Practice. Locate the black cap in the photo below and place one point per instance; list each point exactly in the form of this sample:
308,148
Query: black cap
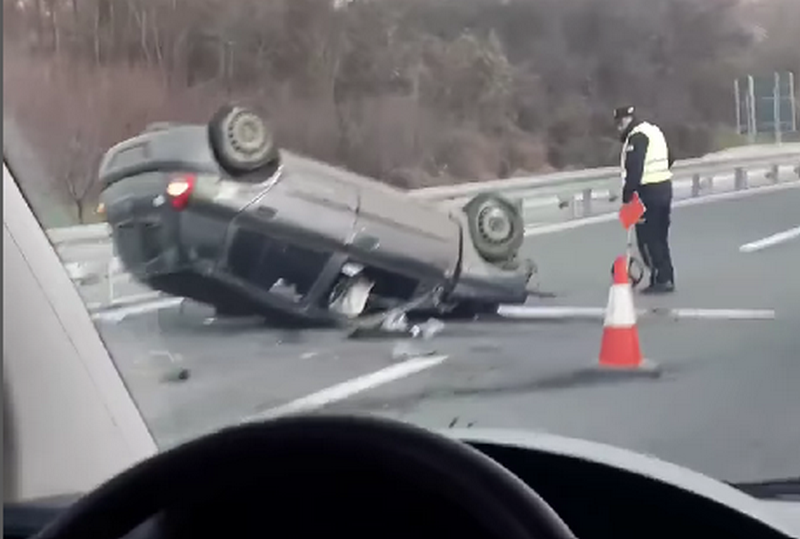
623,112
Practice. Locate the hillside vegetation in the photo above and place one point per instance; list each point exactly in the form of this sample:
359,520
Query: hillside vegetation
414,92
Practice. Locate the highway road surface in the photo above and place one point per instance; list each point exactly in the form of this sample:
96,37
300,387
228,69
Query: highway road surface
727,403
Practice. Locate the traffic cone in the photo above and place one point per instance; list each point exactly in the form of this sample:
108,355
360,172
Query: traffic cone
619,348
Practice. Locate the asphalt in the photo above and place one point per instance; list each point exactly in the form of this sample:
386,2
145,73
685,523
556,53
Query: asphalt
727,403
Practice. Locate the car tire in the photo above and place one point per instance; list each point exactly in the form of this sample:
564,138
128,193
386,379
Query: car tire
242,140
495,226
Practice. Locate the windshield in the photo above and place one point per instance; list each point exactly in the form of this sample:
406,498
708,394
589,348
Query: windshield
239,285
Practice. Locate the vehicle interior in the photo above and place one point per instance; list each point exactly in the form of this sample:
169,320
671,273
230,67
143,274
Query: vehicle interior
80,462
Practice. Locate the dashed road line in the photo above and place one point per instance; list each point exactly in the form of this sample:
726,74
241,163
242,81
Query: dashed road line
527,312
771,241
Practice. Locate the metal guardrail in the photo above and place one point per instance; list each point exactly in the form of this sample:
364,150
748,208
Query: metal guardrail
557,196
79,234
609,177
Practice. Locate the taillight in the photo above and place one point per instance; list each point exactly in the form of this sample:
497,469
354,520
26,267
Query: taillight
180,189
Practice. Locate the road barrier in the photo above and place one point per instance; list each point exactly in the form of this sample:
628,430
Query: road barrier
572,195
545,199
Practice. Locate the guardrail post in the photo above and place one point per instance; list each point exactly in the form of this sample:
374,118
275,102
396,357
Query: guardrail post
569,204
696,185
797,170
587,202
740,179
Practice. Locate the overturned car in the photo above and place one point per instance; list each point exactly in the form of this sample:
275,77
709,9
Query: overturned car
218,214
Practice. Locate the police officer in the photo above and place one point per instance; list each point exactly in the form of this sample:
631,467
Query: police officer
646,161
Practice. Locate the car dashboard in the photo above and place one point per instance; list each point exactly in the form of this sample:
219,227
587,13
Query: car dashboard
595,499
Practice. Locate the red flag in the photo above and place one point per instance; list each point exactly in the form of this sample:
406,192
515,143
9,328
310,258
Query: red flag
630,213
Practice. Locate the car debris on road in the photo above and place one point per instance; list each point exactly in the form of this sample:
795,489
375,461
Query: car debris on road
395,324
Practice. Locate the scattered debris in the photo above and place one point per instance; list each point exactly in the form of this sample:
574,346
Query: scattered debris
406,350
174,372
84,273
455,420
427,330
396,322
179,374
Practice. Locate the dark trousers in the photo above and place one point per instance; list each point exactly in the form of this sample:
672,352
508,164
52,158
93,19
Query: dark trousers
652,235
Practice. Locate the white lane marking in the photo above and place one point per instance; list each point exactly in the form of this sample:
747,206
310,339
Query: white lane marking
770,241
724,314
528,312
608,217
119,314
352,387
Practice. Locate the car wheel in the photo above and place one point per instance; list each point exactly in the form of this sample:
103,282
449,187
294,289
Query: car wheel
496,227
242,140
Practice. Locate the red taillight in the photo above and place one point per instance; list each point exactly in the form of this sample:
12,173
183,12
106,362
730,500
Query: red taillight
179,190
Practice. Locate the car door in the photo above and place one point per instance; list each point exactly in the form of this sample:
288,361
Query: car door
398,232
308,209
287,235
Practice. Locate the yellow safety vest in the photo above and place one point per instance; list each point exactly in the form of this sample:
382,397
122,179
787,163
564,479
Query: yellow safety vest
656,161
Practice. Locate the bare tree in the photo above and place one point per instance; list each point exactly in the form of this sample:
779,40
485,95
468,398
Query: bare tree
420,91
80,171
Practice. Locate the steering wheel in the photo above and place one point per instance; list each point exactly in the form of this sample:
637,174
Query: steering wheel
297,448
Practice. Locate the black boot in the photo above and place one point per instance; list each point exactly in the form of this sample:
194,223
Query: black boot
660,288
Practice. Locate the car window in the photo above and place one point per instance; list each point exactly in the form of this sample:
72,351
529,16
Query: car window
411,208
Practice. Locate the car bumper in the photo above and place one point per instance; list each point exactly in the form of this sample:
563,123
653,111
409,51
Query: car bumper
152,247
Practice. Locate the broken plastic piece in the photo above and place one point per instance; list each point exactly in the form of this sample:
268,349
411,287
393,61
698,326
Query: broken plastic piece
428,330
396,321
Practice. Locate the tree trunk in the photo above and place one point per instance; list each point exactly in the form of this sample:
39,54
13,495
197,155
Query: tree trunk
79,208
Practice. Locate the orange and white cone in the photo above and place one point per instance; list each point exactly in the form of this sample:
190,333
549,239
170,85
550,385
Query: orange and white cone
619,348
